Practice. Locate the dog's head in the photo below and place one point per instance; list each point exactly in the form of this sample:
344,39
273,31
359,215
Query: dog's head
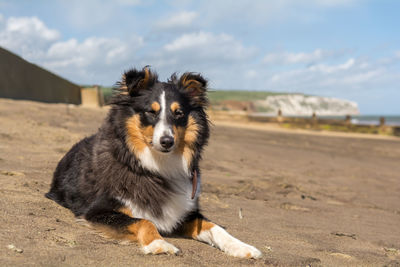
167,116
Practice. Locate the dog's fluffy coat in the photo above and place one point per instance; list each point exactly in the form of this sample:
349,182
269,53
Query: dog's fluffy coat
133,178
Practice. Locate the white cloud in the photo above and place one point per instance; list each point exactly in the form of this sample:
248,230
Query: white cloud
351,77
361,77
180,20
295,58
216,56
31,26
91,50
207,46
93,58
264,12
28,36
195,40
84,62
331,69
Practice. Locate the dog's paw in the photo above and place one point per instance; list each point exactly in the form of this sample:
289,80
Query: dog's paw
160,246
242,250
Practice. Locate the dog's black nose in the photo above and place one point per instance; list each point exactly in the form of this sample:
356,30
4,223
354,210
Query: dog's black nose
167,141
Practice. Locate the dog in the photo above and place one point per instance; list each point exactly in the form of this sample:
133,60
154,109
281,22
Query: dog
138,177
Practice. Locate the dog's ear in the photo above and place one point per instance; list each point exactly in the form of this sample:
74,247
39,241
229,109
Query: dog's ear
195,86
133,80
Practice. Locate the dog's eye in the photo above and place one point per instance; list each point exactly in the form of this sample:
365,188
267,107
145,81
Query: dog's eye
178,113
151,113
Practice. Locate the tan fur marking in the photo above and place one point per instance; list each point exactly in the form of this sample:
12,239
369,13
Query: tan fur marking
148,133
191,131
146,77
155,106
145,81
123,87
185,137
144,231
134,136
195,88
190,83
138,137
179,135
126,211
195,227
175,106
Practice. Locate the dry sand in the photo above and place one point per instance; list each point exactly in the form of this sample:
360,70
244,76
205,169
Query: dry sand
306,199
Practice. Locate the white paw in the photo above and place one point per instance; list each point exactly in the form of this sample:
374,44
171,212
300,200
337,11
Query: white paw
220,238
242,250
160,246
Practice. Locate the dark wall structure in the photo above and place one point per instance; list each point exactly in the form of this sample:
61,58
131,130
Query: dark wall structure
20,79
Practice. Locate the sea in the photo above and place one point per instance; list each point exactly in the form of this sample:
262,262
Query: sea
392,120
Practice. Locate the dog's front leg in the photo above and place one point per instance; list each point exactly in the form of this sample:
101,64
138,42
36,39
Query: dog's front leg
208,232
118,222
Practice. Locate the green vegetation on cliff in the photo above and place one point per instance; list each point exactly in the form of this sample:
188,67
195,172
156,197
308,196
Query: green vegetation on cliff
217,96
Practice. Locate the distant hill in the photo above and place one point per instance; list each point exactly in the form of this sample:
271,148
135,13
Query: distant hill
20,79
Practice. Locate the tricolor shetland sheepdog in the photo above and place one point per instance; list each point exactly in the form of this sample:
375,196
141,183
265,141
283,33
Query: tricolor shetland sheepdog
138,177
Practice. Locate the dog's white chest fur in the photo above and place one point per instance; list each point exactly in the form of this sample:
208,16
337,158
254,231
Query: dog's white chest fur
175,168
174,210
172,165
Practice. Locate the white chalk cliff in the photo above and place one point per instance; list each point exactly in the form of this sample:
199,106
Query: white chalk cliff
302,105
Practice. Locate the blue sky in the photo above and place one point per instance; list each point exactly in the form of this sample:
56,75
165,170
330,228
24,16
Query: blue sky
338,48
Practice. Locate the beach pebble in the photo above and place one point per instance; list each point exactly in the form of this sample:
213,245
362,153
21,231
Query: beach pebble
14,248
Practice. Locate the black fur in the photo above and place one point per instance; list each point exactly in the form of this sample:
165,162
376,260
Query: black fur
103,211
101,169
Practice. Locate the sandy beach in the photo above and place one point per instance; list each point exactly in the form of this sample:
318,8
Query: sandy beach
305,198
